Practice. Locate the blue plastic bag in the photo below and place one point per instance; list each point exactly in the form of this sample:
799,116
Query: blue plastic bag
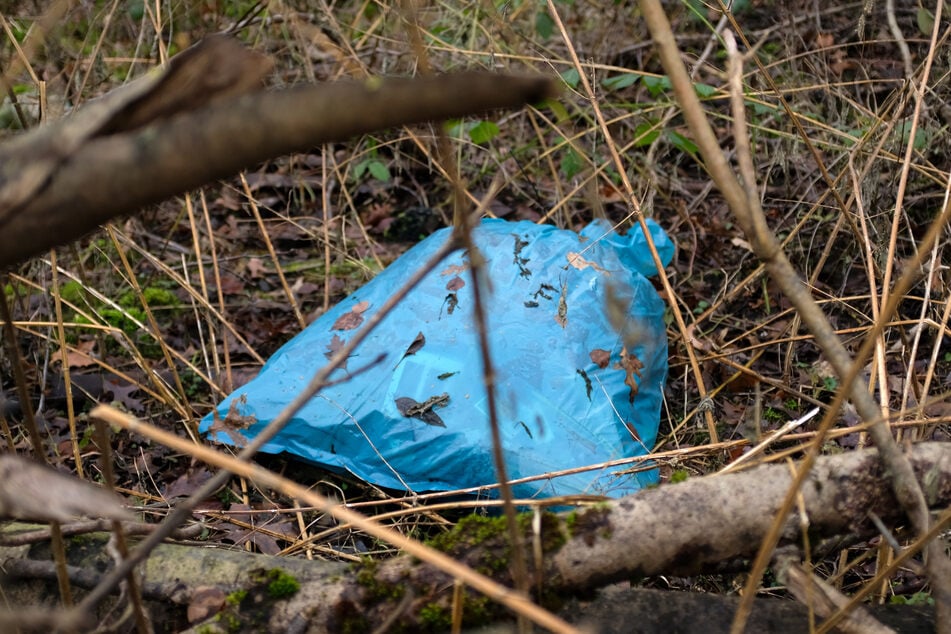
568,393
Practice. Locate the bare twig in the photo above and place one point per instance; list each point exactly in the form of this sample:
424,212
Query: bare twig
637,212
181,512
46,199
516,601
744,202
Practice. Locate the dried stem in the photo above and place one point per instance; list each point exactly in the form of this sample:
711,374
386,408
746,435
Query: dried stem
744,202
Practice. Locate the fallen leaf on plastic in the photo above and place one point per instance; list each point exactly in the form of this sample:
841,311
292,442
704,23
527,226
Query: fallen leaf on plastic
454,269
600,357
575,260
233,422
352,319
562,315
423,411
336,345
632,367
416,346
452,301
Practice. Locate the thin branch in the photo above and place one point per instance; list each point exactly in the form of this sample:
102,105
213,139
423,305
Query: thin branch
183,510
750,217
516,601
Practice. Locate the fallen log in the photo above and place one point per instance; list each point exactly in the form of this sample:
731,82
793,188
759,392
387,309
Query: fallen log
679,529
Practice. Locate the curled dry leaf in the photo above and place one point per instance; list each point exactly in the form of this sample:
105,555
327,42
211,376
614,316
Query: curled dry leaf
600,357
410,408
575,260
632,367
416,345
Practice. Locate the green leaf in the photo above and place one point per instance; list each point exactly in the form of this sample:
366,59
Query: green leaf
571,77
681,142
571,163
854,135
455,128
656,85
645,134
544,25
925,20
561,114
704,90
379,171
483,132
136,9
922,138
762,109
621,81
19,28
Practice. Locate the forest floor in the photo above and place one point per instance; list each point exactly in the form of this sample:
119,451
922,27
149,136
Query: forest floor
166,311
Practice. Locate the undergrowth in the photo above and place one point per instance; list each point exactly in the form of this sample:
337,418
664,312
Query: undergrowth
181,303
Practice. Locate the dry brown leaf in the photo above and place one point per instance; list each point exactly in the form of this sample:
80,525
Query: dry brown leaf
600,357
632,367
575,260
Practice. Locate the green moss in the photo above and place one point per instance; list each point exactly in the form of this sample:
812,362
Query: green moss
236,597
72,292
376,589
153,296
593,523
475,530
570,520
355,625
484,541
230,621
281,585
433,616
470,531
553,538
773,415
918,598
485,536
680,475
478,609
277,583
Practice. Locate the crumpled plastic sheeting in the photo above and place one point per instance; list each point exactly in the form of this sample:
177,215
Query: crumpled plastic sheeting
418,420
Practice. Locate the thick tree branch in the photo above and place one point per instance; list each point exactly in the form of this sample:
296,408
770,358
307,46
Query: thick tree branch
148,143
681,529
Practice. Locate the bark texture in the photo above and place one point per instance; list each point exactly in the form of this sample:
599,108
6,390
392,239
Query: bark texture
679,529
200,121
